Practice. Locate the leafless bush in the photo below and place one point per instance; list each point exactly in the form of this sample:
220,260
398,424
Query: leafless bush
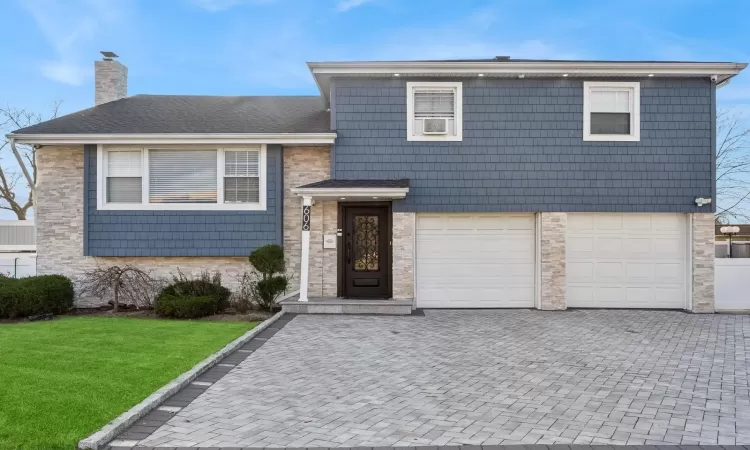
205,276
242,298
126,284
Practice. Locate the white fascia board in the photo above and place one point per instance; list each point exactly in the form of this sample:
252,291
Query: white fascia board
198,138
510,67
323,71
382,193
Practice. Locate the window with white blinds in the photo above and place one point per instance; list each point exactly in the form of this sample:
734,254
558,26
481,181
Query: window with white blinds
187,179
124,176
241,176
430,103
611,111
433,111
182,176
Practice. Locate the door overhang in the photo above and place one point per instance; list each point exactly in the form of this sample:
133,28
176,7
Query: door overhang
354,190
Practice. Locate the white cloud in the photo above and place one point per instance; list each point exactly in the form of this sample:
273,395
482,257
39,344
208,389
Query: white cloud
70,29
65,72
222,5
346,5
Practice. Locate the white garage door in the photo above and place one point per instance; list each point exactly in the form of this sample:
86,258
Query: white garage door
626,260
475,261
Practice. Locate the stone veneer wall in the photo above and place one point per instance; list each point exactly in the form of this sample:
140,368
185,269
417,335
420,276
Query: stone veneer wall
304,165
59,222
404,229
703,233
553,235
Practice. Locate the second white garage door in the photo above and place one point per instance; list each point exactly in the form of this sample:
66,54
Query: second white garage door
626,260
475,260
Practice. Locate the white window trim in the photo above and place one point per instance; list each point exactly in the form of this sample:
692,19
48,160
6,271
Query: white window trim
101,171
458,120
635,115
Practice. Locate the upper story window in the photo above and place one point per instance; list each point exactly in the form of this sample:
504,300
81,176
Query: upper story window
434,111
187,179
611,111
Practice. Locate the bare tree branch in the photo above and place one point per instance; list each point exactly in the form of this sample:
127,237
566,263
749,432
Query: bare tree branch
12,119
732,164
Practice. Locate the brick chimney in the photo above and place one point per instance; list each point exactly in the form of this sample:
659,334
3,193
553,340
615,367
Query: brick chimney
110,78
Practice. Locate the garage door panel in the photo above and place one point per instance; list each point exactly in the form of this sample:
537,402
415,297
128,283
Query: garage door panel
608,222
608,245
580,245
580,222
609,271
451,297
668,272
641,264
475,271
673,247
639,273
636,222
634,247
609,295
475,260
582,271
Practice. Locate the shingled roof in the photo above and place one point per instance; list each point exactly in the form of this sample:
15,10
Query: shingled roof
164,114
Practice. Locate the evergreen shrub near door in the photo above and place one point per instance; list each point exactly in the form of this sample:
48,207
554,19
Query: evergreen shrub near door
43,294
269,262
193,297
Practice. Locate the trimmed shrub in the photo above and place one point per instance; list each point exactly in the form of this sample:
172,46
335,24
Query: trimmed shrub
268,261
186,297
199,288
186,306
43,294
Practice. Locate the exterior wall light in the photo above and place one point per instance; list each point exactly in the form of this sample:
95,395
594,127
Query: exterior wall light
730,231
700,201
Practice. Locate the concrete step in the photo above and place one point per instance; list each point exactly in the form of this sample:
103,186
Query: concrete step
347,306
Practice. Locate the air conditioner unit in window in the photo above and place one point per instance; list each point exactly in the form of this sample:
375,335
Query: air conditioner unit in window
435,126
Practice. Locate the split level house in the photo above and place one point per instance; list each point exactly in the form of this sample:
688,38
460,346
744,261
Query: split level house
491,183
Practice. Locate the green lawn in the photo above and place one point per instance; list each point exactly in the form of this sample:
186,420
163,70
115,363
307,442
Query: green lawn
62,380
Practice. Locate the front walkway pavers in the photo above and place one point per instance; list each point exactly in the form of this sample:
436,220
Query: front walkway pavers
480,377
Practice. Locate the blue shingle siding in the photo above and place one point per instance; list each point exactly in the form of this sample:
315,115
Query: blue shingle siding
523,148
182,233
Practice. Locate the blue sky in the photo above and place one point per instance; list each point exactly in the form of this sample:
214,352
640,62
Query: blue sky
236,47
256,47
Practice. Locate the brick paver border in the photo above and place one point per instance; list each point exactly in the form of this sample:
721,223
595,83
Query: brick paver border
150,422
481,447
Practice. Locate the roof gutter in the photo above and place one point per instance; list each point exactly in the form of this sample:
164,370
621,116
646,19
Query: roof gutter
368,193
30,180
509,67
175,138
720,72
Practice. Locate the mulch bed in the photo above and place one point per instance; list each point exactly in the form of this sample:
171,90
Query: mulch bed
252,316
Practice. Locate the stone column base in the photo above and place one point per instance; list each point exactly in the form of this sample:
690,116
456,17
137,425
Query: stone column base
702,225
404,233
552,252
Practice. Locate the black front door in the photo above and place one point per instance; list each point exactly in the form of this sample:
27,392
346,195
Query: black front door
366,252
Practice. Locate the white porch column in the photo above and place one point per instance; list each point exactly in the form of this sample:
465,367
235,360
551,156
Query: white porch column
305,263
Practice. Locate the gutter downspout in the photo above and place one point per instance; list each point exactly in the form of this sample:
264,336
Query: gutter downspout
23,166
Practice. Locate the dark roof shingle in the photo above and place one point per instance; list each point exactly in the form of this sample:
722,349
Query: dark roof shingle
194,114
349,184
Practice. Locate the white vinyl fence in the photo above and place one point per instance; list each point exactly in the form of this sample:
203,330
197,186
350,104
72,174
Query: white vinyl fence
18,265
732,284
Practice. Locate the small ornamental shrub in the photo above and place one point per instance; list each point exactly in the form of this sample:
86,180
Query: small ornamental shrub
186,306
30,296
191,294
268,261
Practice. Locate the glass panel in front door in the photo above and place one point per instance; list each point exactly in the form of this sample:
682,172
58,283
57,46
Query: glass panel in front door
366,244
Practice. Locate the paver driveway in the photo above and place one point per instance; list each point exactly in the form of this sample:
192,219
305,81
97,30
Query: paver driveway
482,377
